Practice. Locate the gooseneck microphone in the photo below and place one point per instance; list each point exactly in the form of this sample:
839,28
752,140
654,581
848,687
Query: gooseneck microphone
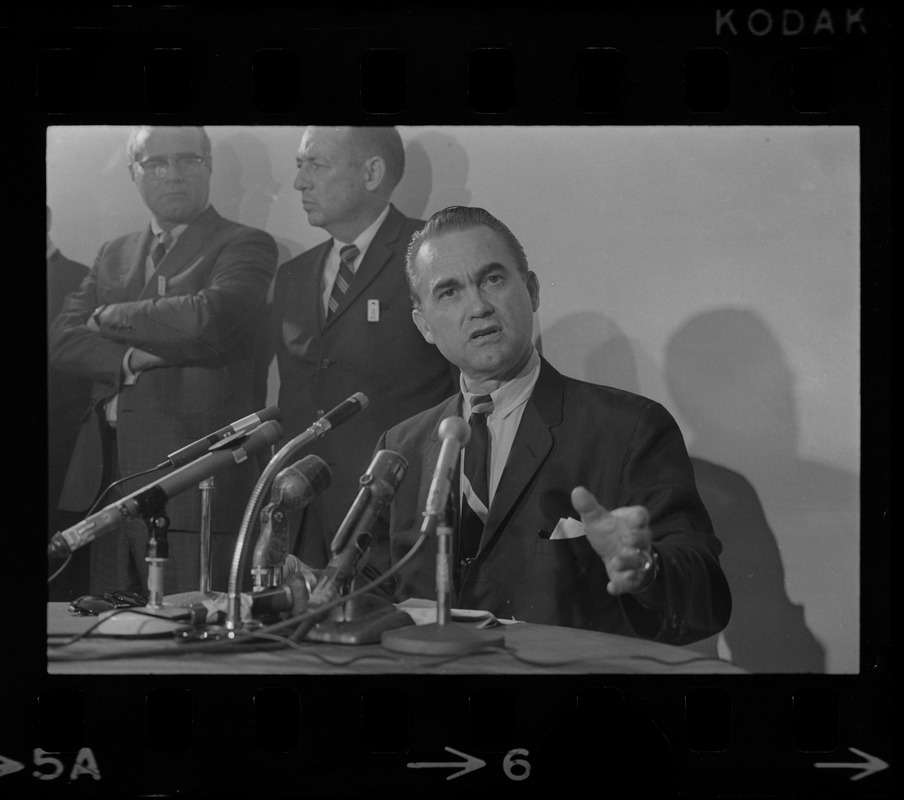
320,427
197,449
149,498
339,414
454,432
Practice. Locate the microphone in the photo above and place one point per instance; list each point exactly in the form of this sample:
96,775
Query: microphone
293,488
331,419
242,426
378,487
454,432
151,497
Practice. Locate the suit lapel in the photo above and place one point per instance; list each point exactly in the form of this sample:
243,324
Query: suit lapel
533,443
188,250
378,255
133,281
451,409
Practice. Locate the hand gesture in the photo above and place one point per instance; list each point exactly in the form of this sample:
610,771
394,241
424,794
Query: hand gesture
621,537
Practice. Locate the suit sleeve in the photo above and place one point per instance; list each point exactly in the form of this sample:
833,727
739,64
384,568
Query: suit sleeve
693,591
204,324
73,348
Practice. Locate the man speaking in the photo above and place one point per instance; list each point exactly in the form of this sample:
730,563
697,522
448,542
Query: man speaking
577,504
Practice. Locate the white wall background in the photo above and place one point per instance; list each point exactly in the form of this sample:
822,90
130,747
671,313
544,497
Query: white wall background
715,269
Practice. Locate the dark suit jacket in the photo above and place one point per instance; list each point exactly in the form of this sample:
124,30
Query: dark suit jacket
322,365
205,318
67,395
624,448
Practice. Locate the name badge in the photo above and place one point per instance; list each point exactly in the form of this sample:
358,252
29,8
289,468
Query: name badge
373,310
161,285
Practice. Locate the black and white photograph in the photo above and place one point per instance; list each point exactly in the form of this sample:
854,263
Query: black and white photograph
476,400
710,272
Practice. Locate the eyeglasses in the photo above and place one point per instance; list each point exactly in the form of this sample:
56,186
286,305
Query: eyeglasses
156,167
94,604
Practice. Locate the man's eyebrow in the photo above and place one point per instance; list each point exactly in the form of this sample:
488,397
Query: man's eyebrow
454,283
445,283
493,266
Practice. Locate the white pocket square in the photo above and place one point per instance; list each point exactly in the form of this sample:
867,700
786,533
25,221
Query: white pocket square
568,528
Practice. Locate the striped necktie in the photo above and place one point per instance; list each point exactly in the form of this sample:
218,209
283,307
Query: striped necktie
476,467
347,256
164,241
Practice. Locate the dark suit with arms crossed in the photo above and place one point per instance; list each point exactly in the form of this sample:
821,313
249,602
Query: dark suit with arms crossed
320,365
627,450
201,311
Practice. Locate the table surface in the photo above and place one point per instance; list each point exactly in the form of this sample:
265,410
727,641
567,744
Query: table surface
526,649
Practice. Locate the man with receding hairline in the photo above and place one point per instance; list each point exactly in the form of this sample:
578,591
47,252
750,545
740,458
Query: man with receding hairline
342,321
575,504
166,326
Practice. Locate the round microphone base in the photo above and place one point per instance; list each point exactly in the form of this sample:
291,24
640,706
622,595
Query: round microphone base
450,638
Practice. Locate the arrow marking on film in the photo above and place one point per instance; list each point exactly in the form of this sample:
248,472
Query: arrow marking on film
867,767
8,766
469,764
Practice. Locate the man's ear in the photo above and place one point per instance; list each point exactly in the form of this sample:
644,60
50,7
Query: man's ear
421,321
533,287
374,172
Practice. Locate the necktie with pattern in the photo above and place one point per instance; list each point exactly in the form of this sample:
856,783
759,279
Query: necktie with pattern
347,256
164,240
476,467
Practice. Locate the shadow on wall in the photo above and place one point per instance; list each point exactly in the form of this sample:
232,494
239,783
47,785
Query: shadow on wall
728,378
436,174
767,632
243,187
603,355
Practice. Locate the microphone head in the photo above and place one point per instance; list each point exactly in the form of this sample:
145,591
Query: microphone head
385,474
455,428
361,399
298,484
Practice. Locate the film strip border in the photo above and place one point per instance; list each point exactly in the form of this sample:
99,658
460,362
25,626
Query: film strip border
773,737
465,65
766,735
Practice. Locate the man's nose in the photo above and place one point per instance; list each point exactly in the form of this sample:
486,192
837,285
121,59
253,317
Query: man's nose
302,180
173,171
478,304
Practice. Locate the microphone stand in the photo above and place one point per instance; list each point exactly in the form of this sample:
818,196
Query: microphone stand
362,619
206,489
442,637
165,619
255,504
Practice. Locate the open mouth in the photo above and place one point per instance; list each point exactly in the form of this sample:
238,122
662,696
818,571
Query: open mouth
484,333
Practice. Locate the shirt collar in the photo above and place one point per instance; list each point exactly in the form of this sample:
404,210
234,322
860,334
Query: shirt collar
363,240
512,393
175,232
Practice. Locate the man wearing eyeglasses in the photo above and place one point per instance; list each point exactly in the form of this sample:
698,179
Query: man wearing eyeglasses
167,326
